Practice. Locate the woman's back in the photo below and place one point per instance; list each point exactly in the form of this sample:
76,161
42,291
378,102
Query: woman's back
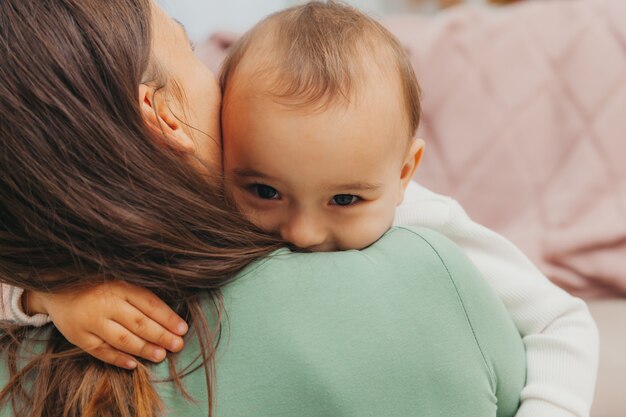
405,327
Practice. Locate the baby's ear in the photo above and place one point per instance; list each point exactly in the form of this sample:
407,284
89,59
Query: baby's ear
410,164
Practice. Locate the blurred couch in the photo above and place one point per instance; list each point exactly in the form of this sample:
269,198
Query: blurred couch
524,116
525,124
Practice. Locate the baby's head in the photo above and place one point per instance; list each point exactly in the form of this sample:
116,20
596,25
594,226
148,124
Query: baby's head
320,109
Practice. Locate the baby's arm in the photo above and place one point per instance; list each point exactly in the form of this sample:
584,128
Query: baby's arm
12,311
560,337
109,321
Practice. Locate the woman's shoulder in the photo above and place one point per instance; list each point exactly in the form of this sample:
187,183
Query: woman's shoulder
399,258
399,247
405,257
411,271
357,325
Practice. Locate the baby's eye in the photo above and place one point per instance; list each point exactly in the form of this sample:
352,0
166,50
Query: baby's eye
345,200
264,191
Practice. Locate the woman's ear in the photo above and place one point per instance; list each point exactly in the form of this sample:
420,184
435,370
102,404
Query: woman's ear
410,164
159,118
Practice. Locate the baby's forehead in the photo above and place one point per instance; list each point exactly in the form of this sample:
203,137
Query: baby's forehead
272,67
374,95
318,55
372,110
359,134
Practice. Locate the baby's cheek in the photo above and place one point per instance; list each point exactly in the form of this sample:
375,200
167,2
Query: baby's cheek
369,230
263,219
239,198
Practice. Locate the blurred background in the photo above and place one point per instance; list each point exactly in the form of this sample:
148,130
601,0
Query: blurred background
202,17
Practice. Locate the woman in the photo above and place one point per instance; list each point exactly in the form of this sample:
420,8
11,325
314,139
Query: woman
110,161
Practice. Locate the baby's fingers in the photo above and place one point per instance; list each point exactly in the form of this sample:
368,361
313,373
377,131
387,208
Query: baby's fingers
145,328
120,338
114,357
155,308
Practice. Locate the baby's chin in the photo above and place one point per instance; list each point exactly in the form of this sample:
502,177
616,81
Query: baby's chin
334,247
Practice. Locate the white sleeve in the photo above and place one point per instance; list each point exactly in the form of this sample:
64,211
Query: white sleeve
559,334
11,309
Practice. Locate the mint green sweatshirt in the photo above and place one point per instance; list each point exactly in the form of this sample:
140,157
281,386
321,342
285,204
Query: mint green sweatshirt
406,327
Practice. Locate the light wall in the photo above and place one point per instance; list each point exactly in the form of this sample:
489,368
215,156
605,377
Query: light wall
202,17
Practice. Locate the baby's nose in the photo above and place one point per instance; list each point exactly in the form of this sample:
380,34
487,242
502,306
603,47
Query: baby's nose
304,233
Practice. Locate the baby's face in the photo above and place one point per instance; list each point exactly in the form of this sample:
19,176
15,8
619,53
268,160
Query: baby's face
324,180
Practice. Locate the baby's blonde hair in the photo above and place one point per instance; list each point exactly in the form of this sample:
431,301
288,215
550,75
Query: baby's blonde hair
316,53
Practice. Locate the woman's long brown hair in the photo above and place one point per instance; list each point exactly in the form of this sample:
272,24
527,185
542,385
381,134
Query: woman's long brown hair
87,195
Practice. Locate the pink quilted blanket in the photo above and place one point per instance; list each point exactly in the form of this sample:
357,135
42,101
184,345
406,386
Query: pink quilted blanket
525,124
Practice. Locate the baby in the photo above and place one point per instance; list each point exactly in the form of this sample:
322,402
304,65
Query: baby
320,110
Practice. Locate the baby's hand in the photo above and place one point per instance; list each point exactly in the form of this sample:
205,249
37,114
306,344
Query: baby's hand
113,321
